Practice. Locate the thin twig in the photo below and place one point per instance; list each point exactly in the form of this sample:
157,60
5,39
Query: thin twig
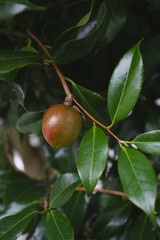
101,190
96,121
60,75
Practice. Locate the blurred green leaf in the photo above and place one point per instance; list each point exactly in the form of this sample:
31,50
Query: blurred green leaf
40,231
152,122
19,194
151,55
12,226
30,122
138,180
93,103
83,41
125,85
148,142
62,159
8,176
63,189
112,219
141,229
12,92
58,226
12,61
114,21
76,209
10,8
154,3
92,157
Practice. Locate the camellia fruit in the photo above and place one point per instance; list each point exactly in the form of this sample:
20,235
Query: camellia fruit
61,125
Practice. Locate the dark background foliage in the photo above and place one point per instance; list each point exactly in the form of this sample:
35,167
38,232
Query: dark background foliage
35,88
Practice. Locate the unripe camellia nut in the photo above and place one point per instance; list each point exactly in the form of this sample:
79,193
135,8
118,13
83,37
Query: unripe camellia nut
61,125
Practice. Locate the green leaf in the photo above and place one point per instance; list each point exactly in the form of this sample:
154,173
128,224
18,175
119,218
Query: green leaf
125,85
86,17
12,226
92,157
30,122
76,209
40,231
141,229
83,41
12,61
148,142
112,219
94,103
114,211
63,189
114,21
152,122
138,180
12,92
10,8
58,226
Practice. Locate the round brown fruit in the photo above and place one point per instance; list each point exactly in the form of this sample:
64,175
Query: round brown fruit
61,125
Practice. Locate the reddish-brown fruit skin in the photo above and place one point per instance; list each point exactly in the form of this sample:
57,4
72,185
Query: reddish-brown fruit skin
61,125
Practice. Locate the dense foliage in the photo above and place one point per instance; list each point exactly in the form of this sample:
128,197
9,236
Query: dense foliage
106,184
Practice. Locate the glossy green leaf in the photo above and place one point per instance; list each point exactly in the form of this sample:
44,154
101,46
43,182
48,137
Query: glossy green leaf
12,61
138,180
12,226
141,229
114,21
112,219
12,92
114,212
148,142
94,103
125,85
30,122
92,157
58,226
76,209
83,41
19,194
40,231
10,8
63,189
62,159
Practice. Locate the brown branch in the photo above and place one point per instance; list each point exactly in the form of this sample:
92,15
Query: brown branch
101,190
65,86
60,75
94,120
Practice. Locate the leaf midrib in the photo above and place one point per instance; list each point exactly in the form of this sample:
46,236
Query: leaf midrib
62,192
115,116
134,172
18,223
56,225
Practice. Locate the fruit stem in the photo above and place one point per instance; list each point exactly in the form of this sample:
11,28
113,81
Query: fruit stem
60,75
65,86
